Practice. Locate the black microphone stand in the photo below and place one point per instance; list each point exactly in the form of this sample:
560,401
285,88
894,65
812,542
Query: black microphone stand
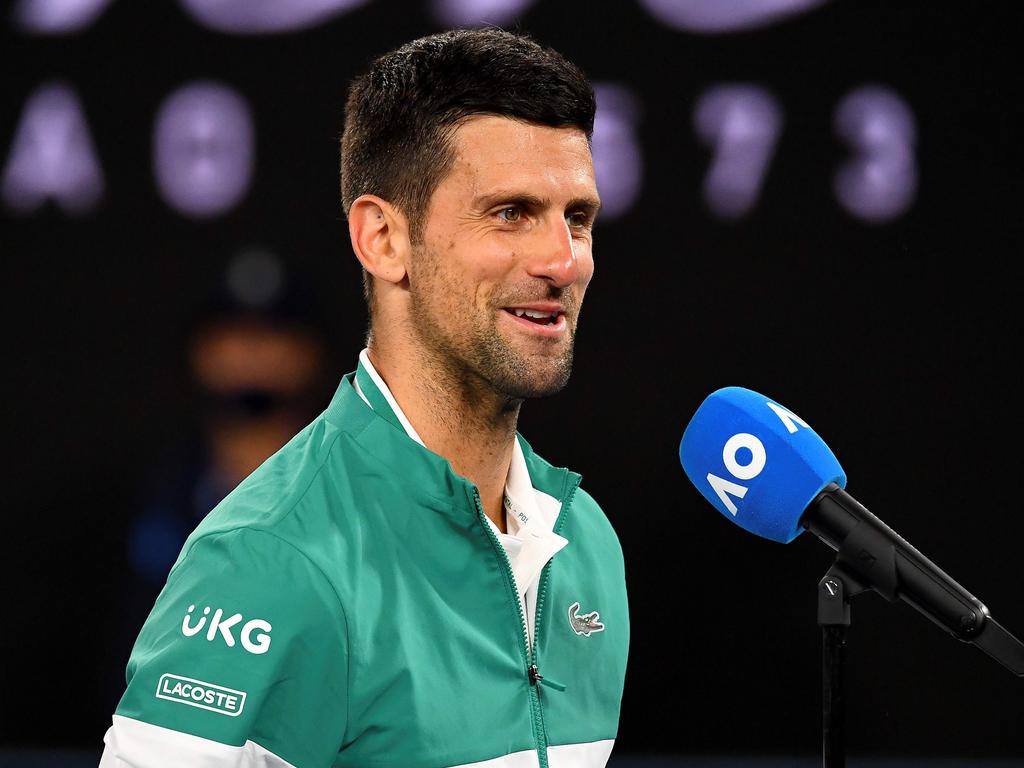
870,555
835,589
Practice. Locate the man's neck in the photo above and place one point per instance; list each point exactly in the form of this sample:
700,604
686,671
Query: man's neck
456,418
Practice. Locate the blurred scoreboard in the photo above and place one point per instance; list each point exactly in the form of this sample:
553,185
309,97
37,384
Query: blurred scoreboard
204,131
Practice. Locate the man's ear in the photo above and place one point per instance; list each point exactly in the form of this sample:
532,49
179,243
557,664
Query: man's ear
380,238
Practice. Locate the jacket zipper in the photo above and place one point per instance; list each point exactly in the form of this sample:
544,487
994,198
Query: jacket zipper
531,667
532,674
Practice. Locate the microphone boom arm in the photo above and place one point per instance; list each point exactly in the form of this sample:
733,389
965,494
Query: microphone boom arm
879,559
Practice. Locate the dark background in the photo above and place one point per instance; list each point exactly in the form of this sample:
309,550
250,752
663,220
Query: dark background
895,340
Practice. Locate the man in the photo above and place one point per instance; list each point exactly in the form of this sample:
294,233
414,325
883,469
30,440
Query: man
406,583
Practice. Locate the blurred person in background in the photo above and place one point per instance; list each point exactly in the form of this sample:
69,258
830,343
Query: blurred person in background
256,363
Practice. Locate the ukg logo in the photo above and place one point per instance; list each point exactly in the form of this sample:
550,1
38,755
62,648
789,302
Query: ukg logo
223,627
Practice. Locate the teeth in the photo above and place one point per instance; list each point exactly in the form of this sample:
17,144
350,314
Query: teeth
534,314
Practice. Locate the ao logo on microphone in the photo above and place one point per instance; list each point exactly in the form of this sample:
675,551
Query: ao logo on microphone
739,446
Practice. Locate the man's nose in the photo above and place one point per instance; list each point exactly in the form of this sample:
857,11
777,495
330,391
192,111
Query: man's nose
553,257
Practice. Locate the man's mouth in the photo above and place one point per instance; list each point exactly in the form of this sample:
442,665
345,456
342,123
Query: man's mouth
540,317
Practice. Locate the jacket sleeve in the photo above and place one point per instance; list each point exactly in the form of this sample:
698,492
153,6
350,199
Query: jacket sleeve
242,662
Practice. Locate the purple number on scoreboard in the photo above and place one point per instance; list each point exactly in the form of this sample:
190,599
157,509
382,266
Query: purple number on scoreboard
52,156
717,16
476,13
260,17
203,147
618,160
741,123
57,17
880,181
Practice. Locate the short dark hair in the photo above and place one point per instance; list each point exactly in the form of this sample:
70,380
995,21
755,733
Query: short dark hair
400,115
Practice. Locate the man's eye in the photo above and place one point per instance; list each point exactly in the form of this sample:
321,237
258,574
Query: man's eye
510,214
578,219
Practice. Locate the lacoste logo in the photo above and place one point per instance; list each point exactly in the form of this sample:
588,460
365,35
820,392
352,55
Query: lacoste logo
584,623
196,693
218,624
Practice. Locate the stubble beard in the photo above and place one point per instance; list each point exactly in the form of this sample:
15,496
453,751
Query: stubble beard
474,355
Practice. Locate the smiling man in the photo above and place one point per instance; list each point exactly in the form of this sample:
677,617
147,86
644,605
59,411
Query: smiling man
407,583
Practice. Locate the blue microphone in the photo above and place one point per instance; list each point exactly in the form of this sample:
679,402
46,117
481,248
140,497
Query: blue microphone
765,469
725,452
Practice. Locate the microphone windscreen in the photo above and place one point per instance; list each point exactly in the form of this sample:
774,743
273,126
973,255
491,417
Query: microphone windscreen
757,462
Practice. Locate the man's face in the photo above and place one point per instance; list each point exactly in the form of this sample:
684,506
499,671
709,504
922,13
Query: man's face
497,282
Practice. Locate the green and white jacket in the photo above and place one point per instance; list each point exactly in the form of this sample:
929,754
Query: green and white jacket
349,604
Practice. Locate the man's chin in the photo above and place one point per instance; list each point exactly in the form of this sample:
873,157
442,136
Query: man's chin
533,391
535,378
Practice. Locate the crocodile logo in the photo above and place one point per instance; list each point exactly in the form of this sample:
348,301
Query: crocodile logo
584,623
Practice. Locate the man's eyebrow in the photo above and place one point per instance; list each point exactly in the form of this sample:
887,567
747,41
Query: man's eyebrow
482,202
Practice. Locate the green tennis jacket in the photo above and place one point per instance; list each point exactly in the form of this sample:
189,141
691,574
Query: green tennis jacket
349,605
